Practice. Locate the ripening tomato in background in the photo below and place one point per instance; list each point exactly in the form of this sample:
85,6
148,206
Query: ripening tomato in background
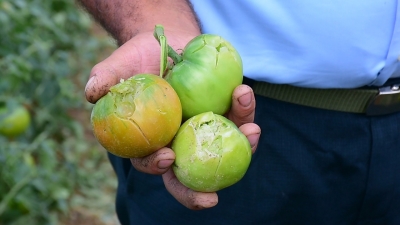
206,75
137,117
211,153
14,119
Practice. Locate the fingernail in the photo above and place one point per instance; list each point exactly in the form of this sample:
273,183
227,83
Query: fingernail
165,163
253,139
245,100
89,84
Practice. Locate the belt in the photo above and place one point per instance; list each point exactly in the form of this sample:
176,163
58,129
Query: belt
369,101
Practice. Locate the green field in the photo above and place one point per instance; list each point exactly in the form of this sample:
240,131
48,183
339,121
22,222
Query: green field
54,172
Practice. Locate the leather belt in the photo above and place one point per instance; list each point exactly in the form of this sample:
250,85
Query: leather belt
371,101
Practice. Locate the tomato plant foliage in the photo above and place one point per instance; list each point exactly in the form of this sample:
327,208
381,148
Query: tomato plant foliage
46,51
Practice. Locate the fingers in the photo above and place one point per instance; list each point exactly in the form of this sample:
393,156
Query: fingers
100,81
243,105
109,72
156,163
253,132
160,163
106,74
187,197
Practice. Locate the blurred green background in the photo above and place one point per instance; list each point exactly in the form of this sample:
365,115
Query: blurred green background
54,172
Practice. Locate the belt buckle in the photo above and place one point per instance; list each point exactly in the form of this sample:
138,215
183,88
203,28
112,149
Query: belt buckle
385,102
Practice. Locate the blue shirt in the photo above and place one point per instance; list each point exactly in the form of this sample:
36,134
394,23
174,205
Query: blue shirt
309,43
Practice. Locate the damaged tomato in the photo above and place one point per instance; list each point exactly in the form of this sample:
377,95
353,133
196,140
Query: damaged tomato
137,117
211,153
205,74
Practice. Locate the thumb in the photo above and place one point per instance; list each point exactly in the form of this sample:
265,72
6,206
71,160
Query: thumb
243,105
128,60
102,77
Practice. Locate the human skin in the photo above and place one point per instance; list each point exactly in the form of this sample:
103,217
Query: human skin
131,23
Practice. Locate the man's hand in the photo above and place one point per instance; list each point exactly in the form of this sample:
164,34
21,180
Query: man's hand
141,54
131,23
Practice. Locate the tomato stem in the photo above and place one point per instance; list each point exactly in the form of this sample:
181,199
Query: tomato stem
159,35
163,55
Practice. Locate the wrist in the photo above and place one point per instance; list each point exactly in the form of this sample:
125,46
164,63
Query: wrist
125,19
173,20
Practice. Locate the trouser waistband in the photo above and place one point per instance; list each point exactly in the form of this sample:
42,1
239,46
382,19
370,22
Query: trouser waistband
372,101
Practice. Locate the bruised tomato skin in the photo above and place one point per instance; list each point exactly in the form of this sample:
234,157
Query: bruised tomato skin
210,70
210,153
137,117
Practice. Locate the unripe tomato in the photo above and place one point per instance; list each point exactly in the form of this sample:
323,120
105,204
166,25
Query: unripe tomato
14,120
137,117
209,70
211,153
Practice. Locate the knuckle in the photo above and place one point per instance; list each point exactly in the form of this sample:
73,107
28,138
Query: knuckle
146,164
190,200
140,164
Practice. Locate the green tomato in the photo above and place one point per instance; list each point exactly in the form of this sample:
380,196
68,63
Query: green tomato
211,153
14,120
205,75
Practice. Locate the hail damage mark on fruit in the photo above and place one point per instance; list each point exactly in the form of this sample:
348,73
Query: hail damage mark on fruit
141,132
218,43
222,48
209,142
204,43
125,109
124,95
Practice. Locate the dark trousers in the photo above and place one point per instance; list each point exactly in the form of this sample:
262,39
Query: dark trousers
312,166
